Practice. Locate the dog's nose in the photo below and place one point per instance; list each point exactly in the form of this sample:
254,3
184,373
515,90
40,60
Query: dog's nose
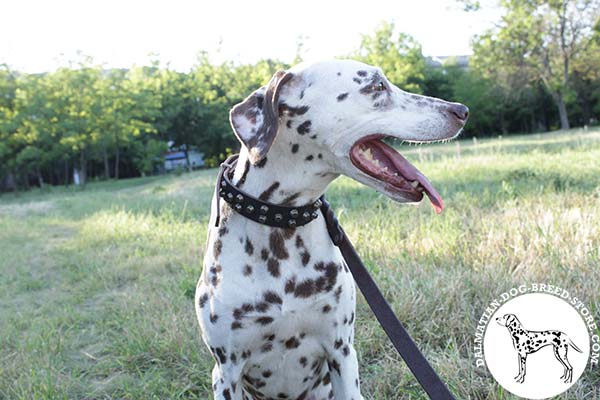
460,111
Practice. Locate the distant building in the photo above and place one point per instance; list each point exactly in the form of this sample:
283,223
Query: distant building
176,159
439,61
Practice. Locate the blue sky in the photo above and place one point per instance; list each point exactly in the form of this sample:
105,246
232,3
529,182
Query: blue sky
39,35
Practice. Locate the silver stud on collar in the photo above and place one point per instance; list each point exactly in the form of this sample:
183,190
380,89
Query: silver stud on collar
292,223
306,215
239,198
278,217
238,207
294,213
262,218
264,209
249,208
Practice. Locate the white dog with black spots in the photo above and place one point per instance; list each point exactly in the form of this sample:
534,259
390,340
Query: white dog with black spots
277,306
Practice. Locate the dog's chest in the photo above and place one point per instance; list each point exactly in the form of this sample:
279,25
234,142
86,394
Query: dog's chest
273,299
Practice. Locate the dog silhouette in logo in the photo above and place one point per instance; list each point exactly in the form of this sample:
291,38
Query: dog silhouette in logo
527,342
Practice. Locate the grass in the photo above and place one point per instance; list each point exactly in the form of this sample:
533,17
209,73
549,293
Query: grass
97,284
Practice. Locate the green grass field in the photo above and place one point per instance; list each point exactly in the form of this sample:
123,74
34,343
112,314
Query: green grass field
96,288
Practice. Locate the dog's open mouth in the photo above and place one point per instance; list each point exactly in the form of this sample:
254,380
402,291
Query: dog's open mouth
385,164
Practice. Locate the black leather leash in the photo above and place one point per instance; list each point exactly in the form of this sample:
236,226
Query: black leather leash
250,207
405,346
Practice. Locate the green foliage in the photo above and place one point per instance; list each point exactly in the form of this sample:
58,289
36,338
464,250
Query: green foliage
117,123
398,54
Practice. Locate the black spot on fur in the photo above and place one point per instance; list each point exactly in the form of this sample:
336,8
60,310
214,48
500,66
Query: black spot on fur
309,157
295,147
345,351
266,195
289,200
223,230
264,320
305,256
264,254
248,247
289,123
273,267
244,173
247,270
226,394
217,247
355,79
277,245
292,343
361,73
222,354
203,299
272,297
214,318
305,288
267,347
342,97
260,164
290,285
304,127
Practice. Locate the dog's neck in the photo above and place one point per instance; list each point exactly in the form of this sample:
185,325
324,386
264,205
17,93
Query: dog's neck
283,177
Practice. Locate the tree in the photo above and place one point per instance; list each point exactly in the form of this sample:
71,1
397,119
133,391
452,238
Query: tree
540,41
399,55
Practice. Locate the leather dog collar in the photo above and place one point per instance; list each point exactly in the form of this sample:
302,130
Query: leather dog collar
260,211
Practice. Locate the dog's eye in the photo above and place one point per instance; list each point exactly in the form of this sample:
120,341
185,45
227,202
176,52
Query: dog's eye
380,86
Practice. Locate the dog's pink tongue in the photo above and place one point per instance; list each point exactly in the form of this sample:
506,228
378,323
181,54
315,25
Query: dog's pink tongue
410,173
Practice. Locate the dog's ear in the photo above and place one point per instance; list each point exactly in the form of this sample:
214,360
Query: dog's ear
255,121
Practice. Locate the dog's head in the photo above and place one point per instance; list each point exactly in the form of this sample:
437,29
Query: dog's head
508,320
341,110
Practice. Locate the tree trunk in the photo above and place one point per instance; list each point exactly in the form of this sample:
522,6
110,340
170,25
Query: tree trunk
82,168
117,157
106,164
187,159
586,109
502,122
11,181
40,178
562,112
67,178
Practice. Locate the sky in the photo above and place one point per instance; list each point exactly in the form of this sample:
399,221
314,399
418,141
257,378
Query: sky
38,36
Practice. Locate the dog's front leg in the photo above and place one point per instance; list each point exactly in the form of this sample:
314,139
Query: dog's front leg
226,386
343,367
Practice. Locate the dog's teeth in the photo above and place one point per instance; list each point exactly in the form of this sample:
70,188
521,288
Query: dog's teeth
414,184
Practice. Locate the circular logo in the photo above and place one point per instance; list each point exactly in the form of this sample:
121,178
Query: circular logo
536,345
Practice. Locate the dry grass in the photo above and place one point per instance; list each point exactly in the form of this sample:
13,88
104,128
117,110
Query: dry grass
97,285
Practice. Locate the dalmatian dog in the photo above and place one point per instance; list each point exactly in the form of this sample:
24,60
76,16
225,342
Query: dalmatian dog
276,306
527,342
